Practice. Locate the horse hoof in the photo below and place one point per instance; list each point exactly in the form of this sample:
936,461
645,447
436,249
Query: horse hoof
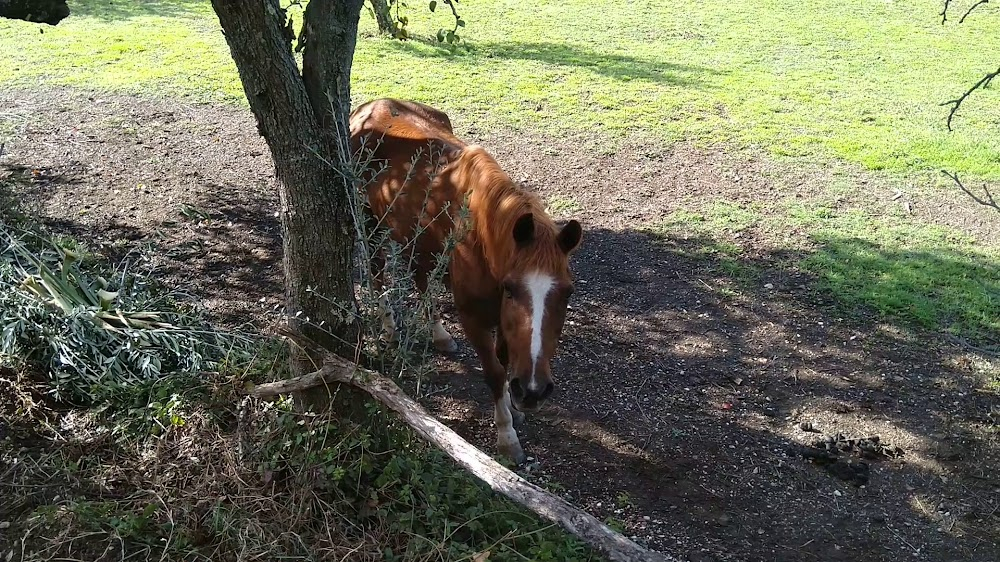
515,454
446,346
518,417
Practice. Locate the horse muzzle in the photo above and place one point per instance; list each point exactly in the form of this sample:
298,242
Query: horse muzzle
528,398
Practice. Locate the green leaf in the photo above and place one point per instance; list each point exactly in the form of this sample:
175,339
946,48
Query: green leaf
433,5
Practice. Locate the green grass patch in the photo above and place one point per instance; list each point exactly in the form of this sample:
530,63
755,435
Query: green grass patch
821,79
926,276
916,275
718,216
713,234
166,48
562,205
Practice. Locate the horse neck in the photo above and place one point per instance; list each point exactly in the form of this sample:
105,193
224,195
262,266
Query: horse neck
495,204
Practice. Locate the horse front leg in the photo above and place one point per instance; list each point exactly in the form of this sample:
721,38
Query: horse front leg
504,357
496,378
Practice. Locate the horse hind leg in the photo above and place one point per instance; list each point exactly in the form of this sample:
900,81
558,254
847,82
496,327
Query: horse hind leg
443,341
389,334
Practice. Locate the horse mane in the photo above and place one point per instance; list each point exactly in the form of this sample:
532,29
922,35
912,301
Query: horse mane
495,204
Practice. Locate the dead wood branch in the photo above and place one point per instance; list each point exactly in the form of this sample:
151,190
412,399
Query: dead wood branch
969,11
944,11
986,200
585,526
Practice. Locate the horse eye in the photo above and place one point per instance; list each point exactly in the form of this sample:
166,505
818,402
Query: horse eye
508,291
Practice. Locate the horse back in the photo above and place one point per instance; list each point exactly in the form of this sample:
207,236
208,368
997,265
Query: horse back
408,146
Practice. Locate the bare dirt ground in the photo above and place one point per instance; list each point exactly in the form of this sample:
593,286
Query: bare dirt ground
680,408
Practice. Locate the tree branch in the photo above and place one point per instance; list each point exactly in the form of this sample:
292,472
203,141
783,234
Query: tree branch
974,6
944,12
987,200
499,478
36,11
983,83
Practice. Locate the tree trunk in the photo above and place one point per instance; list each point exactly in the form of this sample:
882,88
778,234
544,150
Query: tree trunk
303,117
383,17
37,11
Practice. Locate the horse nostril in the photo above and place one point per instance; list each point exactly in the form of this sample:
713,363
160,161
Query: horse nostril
515,388
547,392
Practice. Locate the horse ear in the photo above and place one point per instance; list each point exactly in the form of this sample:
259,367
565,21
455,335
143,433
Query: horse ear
570,236
451,153
524,229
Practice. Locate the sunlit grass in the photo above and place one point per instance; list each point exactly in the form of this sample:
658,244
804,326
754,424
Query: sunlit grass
924,275
823,79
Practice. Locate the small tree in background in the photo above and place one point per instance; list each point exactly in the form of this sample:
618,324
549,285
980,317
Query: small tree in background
392,22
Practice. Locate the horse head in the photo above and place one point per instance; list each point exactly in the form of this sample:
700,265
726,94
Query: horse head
536,292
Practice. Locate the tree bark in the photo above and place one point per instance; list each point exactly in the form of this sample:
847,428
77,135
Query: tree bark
36,11
581,524
303,117
383,17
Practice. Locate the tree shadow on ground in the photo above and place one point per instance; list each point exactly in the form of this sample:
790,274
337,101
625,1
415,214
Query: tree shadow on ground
220,248
616,66
684,391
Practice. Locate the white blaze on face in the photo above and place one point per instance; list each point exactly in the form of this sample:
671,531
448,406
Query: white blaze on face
539,285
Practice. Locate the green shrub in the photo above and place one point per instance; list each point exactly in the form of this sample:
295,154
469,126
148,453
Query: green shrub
91,328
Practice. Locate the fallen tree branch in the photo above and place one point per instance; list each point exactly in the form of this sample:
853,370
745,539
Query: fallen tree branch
500,479
36,11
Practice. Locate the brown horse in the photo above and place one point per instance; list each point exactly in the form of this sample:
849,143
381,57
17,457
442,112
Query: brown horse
510,268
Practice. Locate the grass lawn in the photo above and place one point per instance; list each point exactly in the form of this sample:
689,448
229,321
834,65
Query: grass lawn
855,80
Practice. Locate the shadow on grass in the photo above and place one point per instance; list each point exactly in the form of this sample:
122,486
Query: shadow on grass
933,288
618,67
124,9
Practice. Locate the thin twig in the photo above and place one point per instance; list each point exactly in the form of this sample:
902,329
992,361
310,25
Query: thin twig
986,201
991,350
974,6
944,12
983,83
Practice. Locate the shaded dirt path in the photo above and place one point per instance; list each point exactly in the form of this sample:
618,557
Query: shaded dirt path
677,401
